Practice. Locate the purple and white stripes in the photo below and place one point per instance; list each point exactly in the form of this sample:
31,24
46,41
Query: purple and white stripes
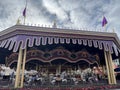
29,41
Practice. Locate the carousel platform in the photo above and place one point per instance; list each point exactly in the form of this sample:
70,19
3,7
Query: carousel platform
81,86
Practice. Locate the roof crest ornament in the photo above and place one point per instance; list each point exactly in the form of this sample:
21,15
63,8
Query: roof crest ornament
54,23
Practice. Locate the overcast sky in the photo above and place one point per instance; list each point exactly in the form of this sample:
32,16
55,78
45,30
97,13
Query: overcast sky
67,13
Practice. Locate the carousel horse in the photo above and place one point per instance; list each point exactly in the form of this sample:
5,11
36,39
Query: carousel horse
88,76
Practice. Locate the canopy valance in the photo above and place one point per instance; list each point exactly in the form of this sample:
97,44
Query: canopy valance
24,41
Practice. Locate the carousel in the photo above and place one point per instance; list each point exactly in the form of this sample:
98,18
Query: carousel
60,56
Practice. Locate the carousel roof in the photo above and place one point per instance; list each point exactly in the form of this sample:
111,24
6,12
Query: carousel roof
27,36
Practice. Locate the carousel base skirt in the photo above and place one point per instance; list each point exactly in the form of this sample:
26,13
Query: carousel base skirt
105,87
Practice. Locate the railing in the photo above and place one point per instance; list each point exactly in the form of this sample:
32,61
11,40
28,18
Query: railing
100,85
71,28
9,83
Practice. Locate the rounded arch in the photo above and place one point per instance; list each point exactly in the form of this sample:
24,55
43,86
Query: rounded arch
59,61
14,61
86,62
63,59
52,59
13,64
36,60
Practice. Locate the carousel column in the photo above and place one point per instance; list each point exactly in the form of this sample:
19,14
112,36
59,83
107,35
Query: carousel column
17,78
57,70
60,69
23,67
37,67
113,78
107,67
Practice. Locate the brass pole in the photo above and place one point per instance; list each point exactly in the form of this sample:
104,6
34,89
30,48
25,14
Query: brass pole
23,67
59,68
6,64
17,78
36,67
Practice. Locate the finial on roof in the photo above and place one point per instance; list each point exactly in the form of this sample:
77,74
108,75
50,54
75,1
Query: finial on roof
18,22
54,23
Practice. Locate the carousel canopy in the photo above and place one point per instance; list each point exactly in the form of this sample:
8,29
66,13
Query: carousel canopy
22,36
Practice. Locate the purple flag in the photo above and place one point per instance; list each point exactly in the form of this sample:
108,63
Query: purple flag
104,22
24,12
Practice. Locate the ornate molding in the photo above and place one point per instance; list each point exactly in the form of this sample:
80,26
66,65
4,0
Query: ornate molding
58,53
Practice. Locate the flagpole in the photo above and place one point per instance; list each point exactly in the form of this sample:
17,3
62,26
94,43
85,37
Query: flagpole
105,29
25,12
24,20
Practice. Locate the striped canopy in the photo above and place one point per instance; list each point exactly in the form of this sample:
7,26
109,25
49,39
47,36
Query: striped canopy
30,38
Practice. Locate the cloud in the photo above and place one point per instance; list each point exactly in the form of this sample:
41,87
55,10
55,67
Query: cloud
68,13
10,11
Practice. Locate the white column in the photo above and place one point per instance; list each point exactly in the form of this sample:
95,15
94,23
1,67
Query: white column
23,68
17,78
107,67
112,69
